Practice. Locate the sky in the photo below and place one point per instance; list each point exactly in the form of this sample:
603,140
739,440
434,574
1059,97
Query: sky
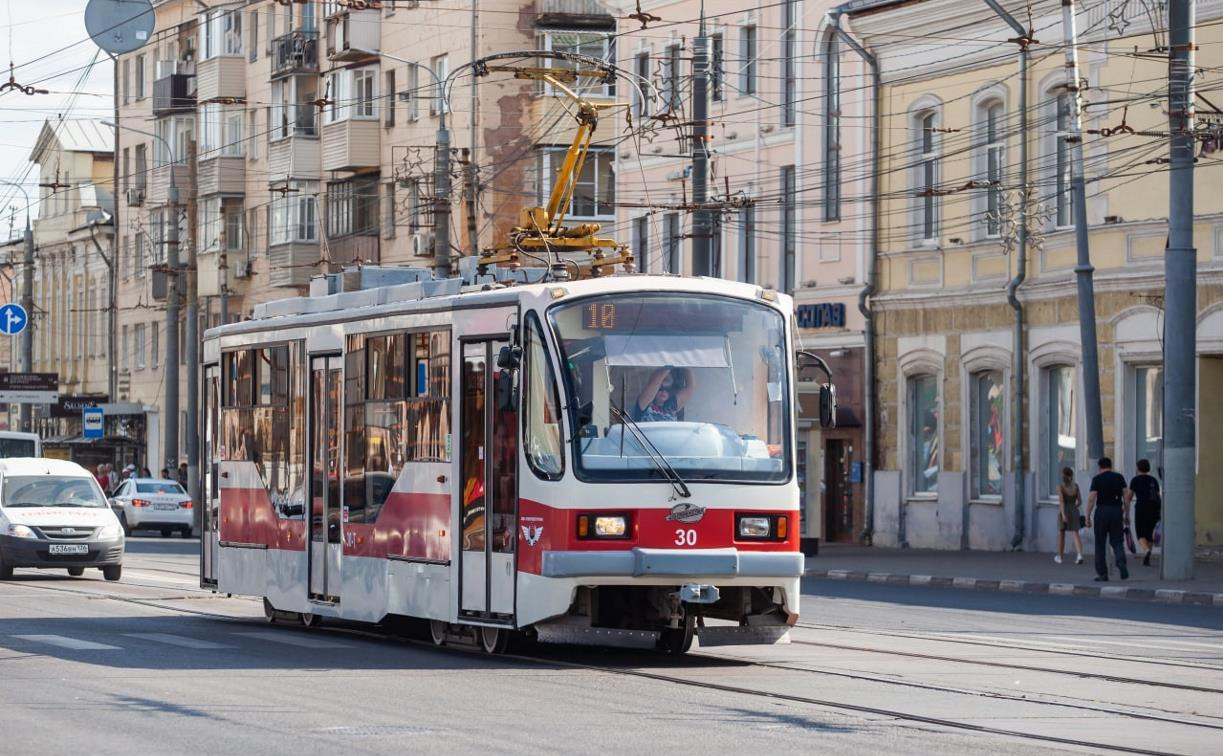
33,36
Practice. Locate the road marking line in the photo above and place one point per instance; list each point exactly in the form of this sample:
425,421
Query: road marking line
65,642
295,639
177,640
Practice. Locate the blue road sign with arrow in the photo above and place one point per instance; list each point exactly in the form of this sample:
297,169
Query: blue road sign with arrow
13,319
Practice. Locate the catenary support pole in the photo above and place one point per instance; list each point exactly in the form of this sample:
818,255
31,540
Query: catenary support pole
170,423
703,263
1180,303
1083,269
191,348
27,301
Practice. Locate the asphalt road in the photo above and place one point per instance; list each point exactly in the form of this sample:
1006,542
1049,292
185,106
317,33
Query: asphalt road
152,664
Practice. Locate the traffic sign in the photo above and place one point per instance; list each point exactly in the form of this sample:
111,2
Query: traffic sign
13,319
93,422
29,388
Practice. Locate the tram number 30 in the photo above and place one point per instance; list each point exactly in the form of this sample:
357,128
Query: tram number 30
685,537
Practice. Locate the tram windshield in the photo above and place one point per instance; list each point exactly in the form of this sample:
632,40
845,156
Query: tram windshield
699,380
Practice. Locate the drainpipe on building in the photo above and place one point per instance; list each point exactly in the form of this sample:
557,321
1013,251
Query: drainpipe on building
1023,39
869,402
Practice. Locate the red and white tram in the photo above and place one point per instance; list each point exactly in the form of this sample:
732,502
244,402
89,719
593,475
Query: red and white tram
595,461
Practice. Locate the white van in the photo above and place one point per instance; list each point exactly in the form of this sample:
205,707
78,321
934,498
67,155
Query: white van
54,514
18,444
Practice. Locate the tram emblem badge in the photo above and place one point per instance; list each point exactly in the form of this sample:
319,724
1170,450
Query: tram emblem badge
532,533
686,513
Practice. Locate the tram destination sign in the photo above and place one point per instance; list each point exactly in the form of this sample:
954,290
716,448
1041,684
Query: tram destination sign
29,388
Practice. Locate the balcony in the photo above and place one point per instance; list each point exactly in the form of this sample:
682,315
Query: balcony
353,35
355,248
173,93
291,265
352,145
159,185
295,53
295,157
220,175
221,78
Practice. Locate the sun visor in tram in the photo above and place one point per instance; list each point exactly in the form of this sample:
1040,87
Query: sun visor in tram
684,351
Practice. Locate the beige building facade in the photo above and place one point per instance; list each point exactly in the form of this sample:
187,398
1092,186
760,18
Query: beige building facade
970,451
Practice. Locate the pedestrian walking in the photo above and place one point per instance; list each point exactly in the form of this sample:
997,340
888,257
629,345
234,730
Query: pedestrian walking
112,478
1144,489
100,475
1070,520
182,474
1111,496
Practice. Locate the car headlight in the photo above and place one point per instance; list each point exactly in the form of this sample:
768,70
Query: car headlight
109,533
603,526
754,527
21,531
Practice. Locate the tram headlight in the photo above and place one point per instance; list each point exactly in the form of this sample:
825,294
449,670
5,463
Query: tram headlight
612,526
755,527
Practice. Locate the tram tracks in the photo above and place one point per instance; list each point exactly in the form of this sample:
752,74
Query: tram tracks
553,658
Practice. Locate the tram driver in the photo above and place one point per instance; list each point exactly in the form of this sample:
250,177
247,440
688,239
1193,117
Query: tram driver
664,395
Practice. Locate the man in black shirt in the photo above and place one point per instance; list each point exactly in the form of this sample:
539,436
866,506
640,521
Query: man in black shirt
1110,494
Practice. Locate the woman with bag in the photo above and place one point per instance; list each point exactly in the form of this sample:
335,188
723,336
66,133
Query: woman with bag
1145,489
1069,519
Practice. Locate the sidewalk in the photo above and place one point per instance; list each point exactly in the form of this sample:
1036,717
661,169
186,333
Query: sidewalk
1018,572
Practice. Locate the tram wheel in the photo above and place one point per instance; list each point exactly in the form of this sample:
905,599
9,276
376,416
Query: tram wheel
437,631
678,640
494,639
310,619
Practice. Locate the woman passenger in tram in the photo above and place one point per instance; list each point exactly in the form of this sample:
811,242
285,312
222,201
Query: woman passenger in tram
663,397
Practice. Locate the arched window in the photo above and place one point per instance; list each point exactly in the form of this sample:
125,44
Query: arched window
987,432
924,458
992,118
1065,116
927,175
832,128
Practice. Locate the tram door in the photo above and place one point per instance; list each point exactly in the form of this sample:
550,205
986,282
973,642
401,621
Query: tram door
489,502
210,534
325,477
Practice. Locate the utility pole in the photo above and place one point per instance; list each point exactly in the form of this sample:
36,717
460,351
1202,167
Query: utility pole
1083,268
469,176
27,301
193,342
473,189
1180,305
703,263
170,425
441,189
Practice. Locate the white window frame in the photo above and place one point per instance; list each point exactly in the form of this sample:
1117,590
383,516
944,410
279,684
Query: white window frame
220,131
606,40
925,117
974,369
598,158
221,34
913,365
294,216
138,338
440,65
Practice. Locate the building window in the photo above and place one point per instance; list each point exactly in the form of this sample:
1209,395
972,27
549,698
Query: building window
993,167
747,60
717,67
253,131
641,93
641,242
293,109
672,80
441,69
789,230
927,175
1061,447
352,94
220,131
832,129
594,193
254,46
1149,416
138,335
140,76
220,224
600,45
292,216
365,92
923,433
389,107
789,77
127,78
987,413
176,131
671,243
122,348
221,34
155,331
1065,114
413,92
747,244
352,208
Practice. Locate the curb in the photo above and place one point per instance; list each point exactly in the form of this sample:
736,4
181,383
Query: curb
1157,595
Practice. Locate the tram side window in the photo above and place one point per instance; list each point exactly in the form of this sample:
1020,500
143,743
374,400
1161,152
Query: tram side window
541,426
406,414
354,430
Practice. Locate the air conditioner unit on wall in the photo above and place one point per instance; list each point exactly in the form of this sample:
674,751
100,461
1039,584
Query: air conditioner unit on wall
135,197
243,269
422,244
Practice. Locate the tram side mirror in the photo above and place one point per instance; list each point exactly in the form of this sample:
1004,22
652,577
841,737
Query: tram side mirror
508,360
828,405
510,357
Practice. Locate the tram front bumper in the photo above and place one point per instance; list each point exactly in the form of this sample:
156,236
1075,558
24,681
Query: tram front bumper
641,562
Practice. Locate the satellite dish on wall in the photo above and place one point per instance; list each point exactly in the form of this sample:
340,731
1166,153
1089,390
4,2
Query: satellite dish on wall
120,26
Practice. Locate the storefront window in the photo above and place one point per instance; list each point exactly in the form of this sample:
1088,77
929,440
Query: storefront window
1061,442
924,433
986,417
1149,416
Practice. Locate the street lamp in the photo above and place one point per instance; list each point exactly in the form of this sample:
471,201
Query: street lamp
170,425
441,174
27,300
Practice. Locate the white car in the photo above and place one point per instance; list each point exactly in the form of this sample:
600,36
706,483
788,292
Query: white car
153,504
53,514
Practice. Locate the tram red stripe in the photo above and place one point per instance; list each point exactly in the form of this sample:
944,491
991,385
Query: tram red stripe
247,516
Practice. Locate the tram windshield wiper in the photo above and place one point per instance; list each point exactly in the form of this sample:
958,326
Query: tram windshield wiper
660,461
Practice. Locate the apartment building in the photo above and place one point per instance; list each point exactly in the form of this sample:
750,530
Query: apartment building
778,222
73,234
972,435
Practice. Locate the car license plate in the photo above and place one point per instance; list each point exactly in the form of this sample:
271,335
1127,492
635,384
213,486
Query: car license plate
69,548
162,506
